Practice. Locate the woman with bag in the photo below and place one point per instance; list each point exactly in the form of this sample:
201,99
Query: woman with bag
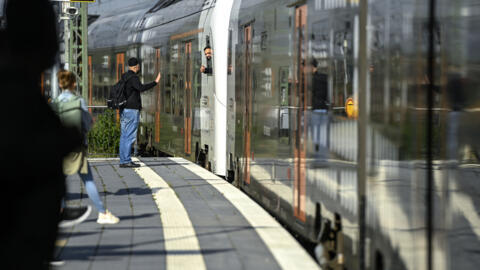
76,162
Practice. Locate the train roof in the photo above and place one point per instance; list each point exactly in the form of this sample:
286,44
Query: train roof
112,7
128,27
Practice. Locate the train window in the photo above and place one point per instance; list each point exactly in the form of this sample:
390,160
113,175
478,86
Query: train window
284,94
180,93
284,86
263,42
208,54
148,63
167,98
168,82
174,93
167,103
132,52
174,53
106,62
267,81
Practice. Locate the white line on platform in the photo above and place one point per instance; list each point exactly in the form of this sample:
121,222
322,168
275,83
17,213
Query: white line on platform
286,250
181,243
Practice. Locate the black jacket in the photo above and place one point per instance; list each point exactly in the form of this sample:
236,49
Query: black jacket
320,91
133,89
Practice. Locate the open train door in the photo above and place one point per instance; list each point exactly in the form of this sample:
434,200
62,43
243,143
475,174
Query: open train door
188,99
248,102
300,104
120,70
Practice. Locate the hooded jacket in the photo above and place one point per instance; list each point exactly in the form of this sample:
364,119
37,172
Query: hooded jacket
133,89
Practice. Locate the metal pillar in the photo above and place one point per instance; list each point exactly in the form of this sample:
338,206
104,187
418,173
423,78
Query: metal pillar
84,26
66,36
76,48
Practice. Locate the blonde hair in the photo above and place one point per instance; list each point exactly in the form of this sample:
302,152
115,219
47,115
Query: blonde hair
66,79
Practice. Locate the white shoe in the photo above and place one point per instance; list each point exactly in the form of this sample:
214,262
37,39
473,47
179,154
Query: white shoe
107,218
57,262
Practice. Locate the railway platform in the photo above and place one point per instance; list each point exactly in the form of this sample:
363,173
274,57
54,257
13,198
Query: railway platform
174,215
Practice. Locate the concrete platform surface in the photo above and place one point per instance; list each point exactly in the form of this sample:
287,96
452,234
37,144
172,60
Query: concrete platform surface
174,215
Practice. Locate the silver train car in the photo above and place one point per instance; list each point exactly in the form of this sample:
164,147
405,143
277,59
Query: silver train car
184,115
279,116
292,127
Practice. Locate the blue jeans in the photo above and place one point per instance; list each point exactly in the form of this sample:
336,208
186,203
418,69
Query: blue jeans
92,191
319,132
129,120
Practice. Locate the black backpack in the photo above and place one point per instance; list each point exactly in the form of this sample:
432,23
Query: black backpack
118,96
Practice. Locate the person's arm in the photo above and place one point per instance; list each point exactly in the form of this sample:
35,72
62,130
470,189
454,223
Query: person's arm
137,85
206,70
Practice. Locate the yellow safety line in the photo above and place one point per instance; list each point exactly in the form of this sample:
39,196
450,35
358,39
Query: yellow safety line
181,243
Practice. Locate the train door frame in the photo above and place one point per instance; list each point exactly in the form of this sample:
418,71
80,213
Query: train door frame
120,61
187,116
299,99
247,32
158,64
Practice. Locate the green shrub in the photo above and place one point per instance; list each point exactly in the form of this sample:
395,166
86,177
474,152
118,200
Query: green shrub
104,137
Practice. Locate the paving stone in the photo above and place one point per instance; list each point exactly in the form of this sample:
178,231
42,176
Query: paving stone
226,238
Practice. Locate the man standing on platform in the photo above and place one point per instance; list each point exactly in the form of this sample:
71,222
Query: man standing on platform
130,115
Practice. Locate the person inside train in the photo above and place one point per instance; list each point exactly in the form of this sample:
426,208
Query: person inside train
319,116
33,142
76,161
130,115
461,145
208,55
319,87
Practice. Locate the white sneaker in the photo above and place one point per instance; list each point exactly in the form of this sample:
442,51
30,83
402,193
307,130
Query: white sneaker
107,218
57,262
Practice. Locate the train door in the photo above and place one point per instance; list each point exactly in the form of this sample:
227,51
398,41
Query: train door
120,69
248,102
158,108
300,103
188,99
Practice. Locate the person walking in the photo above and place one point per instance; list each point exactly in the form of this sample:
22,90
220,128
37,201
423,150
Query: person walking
76,162
34,142
130,115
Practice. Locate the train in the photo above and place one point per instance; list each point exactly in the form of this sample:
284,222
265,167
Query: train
280,115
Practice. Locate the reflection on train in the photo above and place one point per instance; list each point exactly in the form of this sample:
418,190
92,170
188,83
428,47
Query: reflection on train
278,115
